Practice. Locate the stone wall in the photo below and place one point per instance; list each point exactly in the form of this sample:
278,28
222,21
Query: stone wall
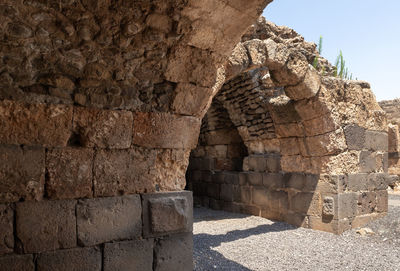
392,109
317,145
100,105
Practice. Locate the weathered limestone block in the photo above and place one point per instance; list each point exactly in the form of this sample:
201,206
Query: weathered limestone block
320,125
357,182
123,171
371,161
382,199
22,172
7,229
190,64
366,203
191,100
70,259
306,203
174,252
167,213
162,130
308,88
17,263
238,62
103,128
301,182
376,141
273,181
211,30
394,138
35,124
347,205
129,255
289,130
326,144
46,225
69,173
294,70
103,220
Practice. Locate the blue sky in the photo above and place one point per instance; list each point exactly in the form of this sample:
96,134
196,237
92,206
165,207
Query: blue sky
367,32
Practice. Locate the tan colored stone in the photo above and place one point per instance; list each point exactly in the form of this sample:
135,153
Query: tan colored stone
35,124
103,128
162,130
191,100
394,138
308,88
319,126
326,144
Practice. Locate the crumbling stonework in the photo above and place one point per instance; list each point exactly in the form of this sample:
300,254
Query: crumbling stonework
317,145
392,109
100,105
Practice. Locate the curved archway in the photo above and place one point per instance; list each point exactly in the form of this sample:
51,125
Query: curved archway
317,144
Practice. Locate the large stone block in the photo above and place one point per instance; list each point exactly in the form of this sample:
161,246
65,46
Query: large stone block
102,220
7,229
366,203
382,199
166,213
370,162
139,170
273,180
213,190
347,205
308,88
79,259
35,124
377,181
358,182
22,172
355,137
162,130
376,141
103,128
245,194
174,252
69,173
17,263
226,193
306,203
46,225
134,255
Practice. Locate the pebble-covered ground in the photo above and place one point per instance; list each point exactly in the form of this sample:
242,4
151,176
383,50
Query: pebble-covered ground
227,241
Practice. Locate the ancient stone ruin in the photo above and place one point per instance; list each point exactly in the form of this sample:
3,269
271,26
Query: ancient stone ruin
102,103
392,109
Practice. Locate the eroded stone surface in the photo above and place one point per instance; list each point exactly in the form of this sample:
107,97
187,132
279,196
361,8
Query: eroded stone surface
69,173
103,128
35,124
167,213
129,255
108,219
7,229
22,172
46,225
71,259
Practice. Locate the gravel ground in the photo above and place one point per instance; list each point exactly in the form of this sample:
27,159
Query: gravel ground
227,241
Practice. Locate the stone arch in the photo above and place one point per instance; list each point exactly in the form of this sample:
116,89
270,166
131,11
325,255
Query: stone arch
100,104
317,144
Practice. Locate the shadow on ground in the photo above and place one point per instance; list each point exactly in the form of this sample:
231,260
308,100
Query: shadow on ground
205,255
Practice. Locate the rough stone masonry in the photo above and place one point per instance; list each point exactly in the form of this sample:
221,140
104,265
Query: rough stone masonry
101,104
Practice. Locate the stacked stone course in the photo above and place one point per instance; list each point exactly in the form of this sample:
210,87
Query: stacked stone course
100,105
392,109
317,146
